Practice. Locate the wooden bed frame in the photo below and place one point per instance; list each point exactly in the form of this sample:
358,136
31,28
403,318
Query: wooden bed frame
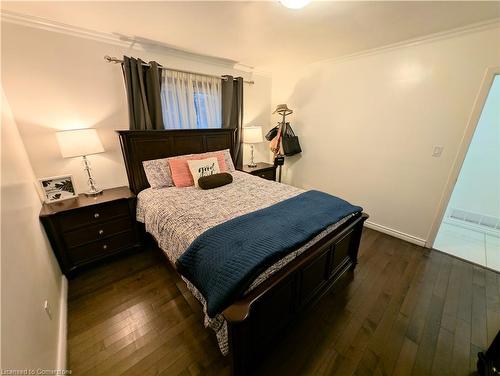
256,320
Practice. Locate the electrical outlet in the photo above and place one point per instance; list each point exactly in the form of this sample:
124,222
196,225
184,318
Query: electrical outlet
437,151
48,310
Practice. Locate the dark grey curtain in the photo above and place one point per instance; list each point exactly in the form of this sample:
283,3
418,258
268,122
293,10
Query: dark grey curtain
232,113
142,84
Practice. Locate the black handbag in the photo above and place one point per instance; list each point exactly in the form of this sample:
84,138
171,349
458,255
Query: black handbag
488,363
290,142
272,133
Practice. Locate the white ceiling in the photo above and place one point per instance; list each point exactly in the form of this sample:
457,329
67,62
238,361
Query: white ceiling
264,34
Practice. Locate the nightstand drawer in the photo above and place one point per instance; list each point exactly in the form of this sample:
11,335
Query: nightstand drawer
101,248
266,174
96,232
94,214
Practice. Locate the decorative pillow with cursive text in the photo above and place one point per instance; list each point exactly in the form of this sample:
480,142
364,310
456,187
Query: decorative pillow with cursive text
203,167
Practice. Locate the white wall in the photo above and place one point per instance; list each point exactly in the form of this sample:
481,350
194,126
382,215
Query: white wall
368,125
58,81
29,271
478,187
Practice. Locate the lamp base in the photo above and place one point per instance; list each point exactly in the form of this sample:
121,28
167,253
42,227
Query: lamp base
97,192
93,190
252,163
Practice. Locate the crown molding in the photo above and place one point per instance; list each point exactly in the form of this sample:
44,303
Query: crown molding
141,44
121,40
59,27
430,38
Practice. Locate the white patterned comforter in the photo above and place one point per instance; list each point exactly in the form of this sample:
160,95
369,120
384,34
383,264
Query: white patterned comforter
177,216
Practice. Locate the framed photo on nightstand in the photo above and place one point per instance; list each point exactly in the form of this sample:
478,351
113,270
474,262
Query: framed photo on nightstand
57,188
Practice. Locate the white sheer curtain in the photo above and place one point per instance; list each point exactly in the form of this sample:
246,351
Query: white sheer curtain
190,100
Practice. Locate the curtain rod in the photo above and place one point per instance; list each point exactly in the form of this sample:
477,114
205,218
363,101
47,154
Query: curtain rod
115,60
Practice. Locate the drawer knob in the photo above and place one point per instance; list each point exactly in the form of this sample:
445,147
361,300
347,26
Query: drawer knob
105,246
101,232
96,215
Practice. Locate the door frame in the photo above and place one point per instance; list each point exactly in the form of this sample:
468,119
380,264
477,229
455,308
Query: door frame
458,162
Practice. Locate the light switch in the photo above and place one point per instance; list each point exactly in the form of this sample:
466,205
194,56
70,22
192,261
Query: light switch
437,151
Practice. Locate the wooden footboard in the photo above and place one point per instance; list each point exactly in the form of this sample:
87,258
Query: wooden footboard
256,320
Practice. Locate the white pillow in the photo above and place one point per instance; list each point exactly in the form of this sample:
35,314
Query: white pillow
228,160
203,167
158,173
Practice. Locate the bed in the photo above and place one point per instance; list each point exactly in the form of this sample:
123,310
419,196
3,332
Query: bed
174,217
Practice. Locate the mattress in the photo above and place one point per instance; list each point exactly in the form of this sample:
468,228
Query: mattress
175,217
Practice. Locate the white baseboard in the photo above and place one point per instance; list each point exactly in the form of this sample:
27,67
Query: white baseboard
63,326
397,234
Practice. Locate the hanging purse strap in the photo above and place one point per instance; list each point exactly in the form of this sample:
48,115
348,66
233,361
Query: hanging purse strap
288,131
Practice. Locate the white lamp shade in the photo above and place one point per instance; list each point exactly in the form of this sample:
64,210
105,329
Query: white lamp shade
79,142
252,135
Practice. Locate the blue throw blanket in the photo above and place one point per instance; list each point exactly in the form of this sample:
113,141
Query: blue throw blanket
224,260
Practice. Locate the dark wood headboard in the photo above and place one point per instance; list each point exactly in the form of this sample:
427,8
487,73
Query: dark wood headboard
138,146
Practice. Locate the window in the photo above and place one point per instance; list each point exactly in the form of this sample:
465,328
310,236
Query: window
190,100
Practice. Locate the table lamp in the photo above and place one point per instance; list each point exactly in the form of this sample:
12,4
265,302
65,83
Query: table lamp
252,135
80,143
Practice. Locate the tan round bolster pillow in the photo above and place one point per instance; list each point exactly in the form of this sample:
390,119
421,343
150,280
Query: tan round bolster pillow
215,180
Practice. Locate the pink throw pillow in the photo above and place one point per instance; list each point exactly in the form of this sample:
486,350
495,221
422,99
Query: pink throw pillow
181,176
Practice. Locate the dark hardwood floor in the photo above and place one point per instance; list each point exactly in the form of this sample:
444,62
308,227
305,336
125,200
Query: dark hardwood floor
405,310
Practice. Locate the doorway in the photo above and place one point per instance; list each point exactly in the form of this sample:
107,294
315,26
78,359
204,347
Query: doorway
470,228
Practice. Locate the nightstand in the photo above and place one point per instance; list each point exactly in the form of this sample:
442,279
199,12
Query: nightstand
263,170
86,229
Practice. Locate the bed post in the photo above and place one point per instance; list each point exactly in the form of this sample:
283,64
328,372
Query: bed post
354,246
241,350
